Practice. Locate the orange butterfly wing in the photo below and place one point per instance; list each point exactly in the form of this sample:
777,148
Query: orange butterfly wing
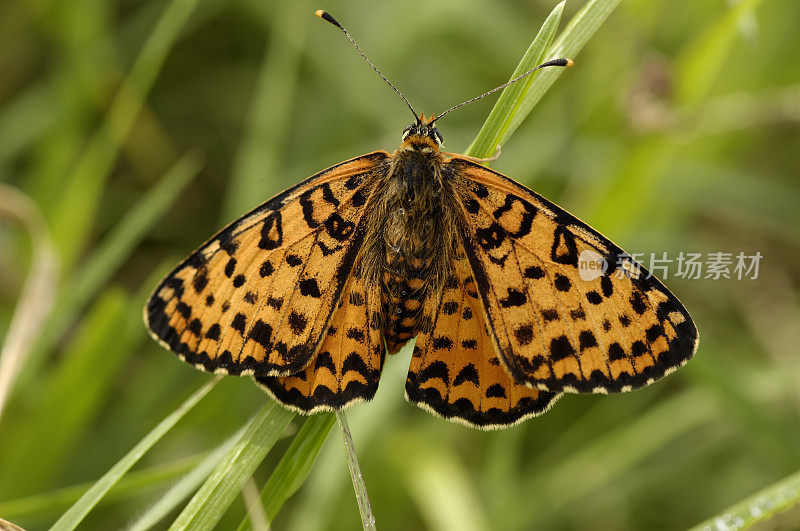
258,296
347,367
455,371
556,331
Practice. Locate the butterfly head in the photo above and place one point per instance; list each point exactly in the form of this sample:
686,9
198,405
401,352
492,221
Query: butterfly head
423,132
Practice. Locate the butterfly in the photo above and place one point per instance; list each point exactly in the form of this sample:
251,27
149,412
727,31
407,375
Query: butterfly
309,291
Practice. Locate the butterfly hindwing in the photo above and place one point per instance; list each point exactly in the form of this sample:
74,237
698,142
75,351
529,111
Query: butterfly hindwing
614,331
348,364
257,297
455,369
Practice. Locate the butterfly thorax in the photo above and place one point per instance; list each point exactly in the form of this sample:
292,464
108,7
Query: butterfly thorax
411,230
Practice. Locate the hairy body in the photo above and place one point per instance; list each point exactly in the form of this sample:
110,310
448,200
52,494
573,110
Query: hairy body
411,237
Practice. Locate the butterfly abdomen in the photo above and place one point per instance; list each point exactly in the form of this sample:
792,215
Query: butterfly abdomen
409,230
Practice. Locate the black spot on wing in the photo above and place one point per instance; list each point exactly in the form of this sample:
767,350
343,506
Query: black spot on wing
213,332
355,334
561,348
266,269
297,322
230,267
496,391
310,288
437,369
534,272
239,323
515,298
271,231
491,237
468,373
200,281
261,333
525,222
524,334
324,359
586,339
564,250
442,343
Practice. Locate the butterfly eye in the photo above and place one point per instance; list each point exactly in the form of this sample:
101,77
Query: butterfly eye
438,137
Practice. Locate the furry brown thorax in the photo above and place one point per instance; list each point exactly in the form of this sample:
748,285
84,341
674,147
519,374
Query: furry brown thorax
410,232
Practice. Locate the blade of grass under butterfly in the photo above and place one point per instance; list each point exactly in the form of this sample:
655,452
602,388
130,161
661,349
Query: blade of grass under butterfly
578,31
495,130
75,514
295,465
188,484
209,504
319,499
362,497
81,196
759,507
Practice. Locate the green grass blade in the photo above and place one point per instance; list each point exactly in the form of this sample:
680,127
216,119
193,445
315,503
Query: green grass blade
72,219
209,504
441,486
362,497
295,465
170,500
568,44
329,482
703,59
579,30
271,110
23,120
600,461
132,484
70,519
123,239
38,292
759,507
39,451
496,130
110,254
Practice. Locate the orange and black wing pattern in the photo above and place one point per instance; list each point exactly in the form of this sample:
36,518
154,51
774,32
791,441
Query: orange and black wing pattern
257,298
555,329
455,370
347,367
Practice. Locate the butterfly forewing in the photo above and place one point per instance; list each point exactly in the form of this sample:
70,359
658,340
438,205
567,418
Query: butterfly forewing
348,364
455,369
556,330
258,296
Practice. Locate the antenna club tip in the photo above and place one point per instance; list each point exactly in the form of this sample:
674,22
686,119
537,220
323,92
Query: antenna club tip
324,15
570,62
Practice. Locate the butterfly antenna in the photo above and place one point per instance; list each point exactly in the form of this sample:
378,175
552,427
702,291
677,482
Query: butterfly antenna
554,62
324,15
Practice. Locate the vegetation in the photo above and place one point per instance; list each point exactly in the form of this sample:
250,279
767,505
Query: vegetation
131,131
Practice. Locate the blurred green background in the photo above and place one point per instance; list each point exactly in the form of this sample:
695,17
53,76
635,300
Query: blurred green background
136,129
